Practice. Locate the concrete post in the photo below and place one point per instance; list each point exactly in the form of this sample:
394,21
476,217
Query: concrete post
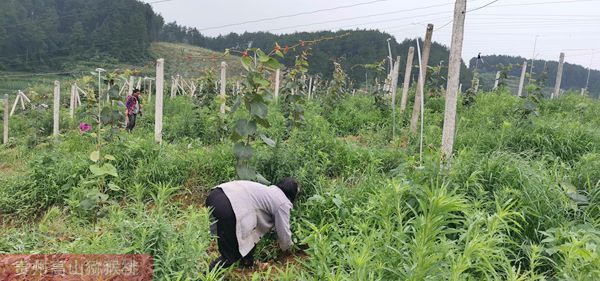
407,73
5,120
497,80
56,109
310,87
559,74
72,101
277,77
158,106
460,9
420,91
522,80
394,88
223,86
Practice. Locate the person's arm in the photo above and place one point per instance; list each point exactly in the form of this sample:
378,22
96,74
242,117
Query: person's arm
282,227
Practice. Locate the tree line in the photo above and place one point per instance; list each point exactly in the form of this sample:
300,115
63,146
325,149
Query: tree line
39,34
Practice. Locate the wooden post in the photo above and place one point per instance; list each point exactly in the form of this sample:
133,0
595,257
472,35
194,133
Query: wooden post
56,109
158,106
559,74
5,120
497,80
522,81
277,77
394,87
223,86
460,9
407,73
420,91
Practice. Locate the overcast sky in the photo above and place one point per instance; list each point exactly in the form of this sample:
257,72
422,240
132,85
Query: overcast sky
505,27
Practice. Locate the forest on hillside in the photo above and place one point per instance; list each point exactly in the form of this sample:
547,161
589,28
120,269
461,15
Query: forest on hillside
41,34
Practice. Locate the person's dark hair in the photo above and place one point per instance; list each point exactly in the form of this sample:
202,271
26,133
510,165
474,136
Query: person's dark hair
289,186
136,91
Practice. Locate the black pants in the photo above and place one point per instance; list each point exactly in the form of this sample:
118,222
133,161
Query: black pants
131,122
223,213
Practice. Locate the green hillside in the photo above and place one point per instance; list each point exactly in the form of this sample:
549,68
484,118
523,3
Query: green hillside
183,59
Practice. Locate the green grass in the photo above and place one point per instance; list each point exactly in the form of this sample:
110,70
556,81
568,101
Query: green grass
519,201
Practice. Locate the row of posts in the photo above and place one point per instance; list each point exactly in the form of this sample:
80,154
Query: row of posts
75,101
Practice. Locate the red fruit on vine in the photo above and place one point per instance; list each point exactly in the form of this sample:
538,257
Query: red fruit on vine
302,43
287,48
245,53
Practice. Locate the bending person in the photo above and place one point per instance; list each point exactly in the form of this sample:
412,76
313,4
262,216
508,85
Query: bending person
244,212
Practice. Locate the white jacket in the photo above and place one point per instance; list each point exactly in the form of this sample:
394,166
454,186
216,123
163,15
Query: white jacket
258,208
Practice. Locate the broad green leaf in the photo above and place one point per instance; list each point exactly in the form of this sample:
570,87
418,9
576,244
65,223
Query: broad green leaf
96,170
106,169
110,170
262,57
263,122
245,172
272,64
95,156
261,179
109,157
245,128
267,140
259,109
243,151
87,204
247,63
106,115
261,81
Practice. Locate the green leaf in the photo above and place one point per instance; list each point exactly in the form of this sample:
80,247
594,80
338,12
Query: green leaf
272,64
261,179
267,140
245,128
87,204
110,170
106,115
245,172
261,81
106,169
114,187
262,57
96,170
263,122
243,151
109,157
95,156
259,109
247,63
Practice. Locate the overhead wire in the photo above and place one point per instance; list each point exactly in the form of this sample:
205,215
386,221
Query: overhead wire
291,15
